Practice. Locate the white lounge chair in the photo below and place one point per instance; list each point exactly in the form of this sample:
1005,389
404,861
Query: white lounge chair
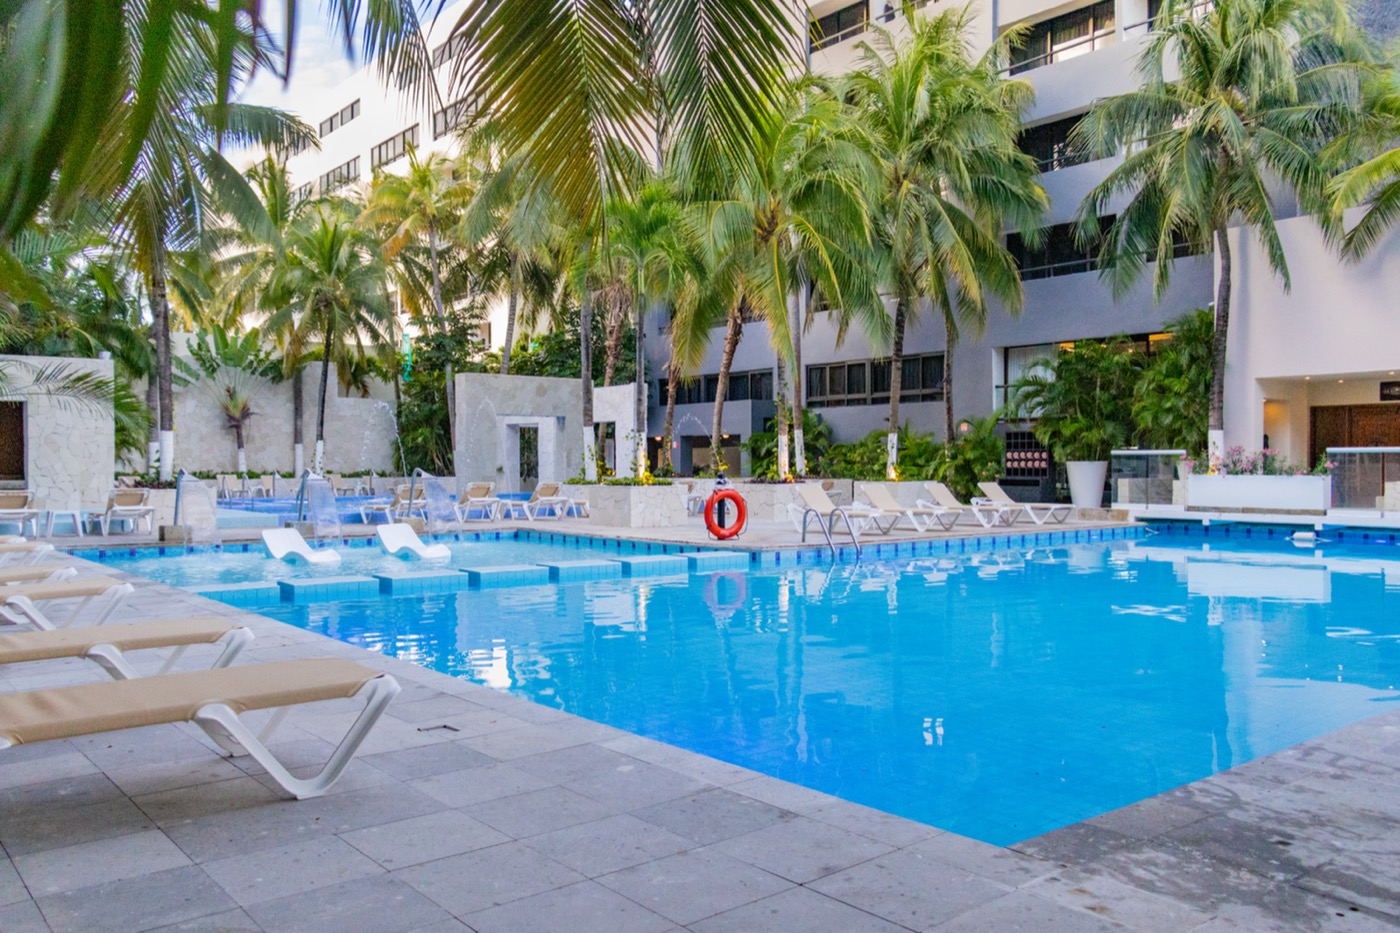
477,496
397,507
127,505
33,573
107,645
987,515
287,544
921,517
17,508
399,540
1038,512
545,501
98,598
212,700
857,517
16,553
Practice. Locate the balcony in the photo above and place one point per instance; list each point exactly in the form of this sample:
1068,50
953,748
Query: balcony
848,23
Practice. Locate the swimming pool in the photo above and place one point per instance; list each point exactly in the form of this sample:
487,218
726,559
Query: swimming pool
998,694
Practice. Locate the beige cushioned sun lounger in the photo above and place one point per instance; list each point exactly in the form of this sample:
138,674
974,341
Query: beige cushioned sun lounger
17,602
106,644
33,573
1038,512
213,700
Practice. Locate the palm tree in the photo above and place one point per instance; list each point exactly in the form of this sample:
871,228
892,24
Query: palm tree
331,285
795,212
1263,85
420,207
943,128
1372,177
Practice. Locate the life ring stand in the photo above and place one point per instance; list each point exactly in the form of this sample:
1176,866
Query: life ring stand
741,587
741,509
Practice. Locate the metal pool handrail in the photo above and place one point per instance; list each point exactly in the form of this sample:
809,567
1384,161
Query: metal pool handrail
826,529
301,495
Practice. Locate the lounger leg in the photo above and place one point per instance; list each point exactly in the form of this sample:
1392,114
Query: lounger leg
112,599
20,610
222,723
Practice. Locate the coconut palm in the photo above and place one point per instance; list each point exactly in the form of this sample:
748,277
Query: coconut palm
330,288
942,126
1263,85
1372,175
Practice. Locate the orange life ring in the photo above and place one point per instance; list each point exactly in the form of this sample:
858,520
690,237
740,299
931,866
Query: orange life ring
740,507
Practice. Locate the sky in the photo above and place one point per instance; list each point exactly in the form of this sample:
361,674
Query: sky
319,64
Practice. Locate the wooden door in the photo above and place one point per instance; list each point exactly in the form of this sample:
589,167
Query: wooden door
1375,426
1330,428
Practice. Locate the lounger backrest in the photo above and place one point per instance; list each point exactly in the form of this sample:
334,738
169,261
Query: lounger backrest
127,498
814,497
878,495
994,492
943,496
545,491
268,481
15,501
478,491
283,541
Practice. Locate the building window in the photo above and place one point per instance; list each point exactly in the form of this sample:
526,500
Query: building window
302,193
1058,253
753,386
336,120
450,117
867,382
828,30
393,148
1049,144
449,50
341,175
1064,37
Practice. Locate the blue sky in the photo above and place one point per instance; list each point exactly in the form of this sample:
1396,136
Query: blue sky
320,62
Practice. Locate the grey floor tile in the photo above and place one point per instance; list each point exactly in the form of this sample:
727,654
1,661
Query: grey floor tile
1023,911
541,811
529,740
609,844
802,850
488,877
12,888
694,885
229,921
383,905
574,762
1115,901
56,828
428,760
1149,818
54,871
639,783
437,708
344,810
219,835
63,792
1077,844
172,775
142,903
23,917
423,838
793,910
474,785
782,794
1004,866
909,889
42,770
184,803
875,824
152,744
583,906
293,869
713,815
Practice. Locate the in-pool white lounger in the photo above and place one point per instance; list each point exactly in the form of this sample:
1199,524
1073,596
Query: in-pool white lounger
288,544
399,540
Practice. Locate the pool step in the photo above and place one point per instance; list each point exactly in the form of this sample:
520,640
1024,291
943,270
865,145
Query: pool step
572,571
321,589
416,583
652,565
243,595
506,575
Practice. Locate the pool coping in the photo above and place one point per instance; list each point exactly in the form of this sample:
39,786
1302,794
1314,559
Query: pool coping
1304,838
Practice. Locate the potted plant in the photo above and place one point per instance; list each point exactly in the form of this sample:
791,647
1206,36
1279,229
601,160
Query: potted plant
1081,404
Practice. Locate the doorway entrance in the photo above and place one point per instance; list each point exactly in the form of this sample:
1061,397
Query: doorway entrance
1353,426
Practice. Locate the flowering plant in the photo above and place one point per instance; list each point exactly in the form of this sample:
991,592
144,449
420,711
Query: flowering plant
1267,462
1324,466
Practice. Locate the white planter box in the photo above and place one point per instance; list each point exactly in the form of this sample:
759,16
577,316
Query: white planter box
633,506
1311,495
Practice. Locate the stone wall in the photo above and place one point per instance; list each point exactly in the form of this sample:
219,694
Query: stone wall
491,411
70,451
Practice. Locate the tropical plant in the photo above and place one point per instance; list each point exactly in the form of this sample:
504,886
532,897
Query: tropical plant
235,366
762,446
1171,401
943,128
1371,161
972,457
1081,400
424,436
1261,87
331,289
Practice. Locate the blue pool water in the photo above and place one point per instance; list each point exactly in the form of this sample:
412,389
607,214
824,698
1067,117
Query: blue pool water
999,695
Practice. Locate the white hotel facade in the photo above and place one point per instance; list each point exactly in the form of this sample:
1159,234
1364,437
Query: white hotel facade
1310,368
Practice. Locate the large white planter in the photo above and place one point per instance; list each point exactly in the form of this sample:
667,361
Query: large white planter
633,506
1311,495
1086,479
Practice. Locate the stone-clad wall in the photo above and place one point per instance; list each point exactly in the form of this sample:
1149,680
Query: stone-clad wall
492,408
69,447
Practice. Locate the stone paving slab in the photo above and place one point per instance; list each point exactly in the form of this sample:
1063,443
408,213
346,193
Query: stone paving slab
525,818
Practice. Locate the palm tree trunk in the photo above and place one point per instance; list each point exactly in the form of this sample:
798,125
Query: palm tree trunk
510,315
1216,423
673,373
780,390
950,337
160,327
242,453
319,461
298,434
896,386
442,326
799,446
617,316
585,346
640,384
734,331
153,439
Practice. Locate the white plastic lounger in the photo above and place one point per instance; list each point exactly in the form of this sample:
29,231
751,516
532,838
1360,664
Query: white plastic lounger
477,496
288,544
212,700
815,499
18,553
107,644
98,598
399,540
33,573
921,517
986,515
1038,512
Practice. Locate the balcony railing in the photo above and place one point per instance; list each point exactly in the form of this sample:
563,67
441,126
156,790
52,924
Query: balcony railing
1365,478
1065,51
817,43
1197,12
1143,478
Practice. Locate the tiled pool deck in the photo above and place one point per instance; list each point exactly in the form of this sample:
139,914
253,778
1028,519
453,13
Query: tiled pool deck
470,809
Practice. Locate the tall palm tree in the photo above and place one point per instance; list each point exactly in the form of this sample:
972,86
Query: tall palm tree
942,126
795,212
1262,87
420,208
332,286
1372,173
